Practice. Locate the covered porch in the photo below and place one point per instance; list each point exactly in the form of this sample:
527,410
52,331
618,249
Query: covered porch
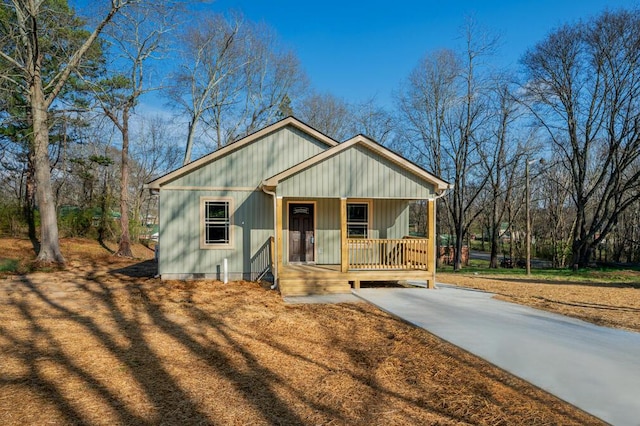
342,217
361,259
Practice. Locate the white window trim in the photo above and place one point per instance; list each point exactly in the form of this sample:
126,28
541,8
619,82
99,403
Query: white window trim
204,245
369,204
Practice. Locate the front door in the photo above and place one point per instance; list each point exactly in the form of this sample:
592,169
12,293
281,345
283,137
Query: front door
301,230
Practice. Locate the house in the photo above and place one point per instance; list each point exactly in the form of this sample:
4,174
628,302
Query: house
318,215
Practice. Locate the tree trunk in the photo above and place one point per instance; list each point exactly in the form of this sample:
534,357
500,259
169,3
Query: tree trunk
190,136
187,153
495,248
512,241
579,246
104,206
124,246
49,243
29,203
495,233
457,257
581,254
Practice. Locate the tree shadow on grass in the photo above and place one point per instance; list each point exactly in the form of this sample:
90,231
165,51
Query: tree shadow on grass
145,338
43,350
599,306
144,269
445,405
255,383
603,284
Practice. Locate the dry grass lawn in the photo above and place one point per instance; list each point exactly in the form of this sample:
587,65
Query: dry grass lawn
103,342
601,302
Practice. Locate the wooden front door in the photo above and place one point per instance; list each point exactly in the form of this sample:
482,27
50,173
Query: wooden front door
301,229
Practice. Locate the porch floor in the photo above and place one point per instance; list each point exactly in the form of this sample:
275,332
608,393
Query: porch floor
306,279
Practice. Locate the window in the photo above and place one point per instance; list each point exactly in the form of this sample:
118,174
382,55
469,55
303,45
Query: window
357,220
217,221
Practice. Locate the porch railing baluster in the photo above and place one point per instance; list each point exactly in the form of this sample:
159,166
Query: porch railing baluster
381,254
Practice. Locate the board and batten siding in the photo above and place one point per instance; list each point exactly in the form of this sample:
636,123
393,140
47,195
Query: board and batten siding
390,218
247,166
356,173
180,254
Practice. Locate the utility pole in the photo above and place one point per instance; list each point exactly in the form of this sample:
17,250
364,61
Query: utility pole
528,208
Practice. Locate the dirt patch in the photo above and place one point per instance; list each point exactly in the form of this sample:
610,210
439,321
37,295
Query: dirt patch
608,304
103,342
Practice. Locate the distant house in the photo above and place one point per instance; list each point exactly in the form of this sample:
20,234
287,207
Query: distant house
288,201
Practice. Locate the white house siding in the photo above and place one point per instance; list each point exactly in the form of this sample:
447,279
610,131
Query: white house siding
180,253
249,165
356,173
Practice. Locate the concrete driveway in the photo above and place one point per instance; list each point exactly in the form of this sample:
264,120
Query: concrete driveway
594,368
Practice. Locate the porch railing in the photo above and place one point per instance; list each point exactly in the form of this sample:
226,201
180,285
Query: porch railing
405,253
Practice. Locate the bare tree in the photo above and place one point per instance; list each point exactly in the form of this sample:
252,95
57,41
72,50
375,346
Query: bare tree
373,121
558,216
210,60
465,133
444,107
23,50
153,152
429,93
135,38
234,78
584,89
424,103
341,120
273,77
624,240
501,154
326,113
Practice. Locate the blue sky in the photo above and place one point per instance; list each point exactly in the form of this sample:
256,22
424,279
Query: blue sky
357,50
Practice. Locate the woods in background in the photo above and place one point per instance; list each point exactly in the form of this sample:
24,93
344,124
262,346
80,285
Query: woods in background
96,102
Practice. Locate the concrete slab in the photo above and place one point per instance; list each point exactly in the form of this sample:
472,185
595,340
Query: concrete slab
594,368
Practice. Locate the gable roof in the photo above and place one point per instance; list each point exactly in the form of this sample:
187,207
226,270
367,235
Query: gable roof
289,121
370,145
